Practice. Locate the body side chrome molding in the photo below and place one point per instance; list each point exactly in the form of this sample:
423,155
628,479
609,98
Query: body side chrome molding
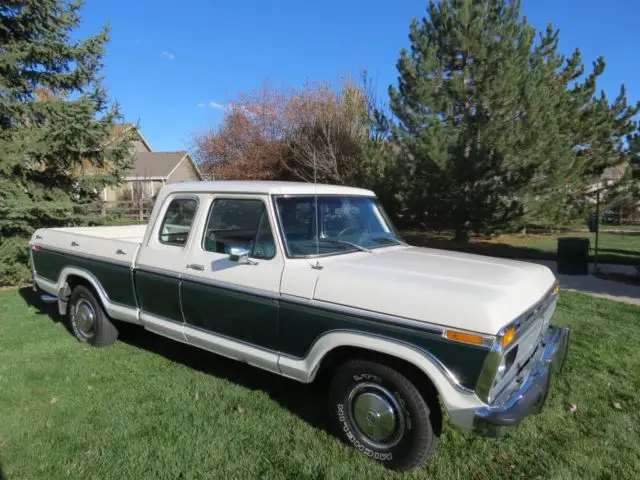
157,271
225,346
163,326
230,286
431,328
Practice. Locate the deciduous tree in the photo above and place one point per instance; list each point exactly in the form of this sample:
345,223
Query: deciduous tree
310,134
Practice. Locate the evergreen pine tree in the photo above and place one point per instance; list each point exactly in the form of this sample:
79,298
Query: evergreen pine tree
495,126
57,148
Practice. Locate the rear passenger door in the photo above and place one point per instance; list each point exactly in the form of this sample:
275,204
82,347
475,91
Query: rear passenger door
236,300
160,263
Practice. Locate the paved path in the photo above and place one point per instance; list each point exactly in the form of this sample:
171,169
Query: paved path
598,287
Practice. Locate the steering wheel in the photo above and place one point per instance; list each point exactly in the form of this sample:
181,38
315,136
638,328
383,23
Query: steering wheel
345,230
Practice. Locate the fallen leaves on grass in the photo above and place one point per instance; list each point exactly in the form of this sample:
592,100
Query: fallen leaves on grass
54,400
240,409
504,458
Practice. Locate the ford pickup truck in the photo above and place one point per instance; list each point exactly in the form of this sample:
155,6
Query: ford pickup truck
313,281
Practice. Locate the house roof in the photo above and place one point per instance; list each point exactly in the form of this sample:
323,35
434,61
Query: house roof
615,172
119,129
156,164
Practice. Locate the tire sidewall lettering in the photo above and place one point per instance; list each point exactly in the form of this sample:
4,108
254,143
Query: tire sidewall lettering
351,437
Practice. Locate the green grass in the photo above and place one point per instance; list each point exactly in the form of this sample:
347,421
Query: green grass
151,408
612,248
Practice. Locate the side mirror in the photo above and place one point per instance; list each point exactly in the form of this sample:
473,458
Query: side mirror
238,254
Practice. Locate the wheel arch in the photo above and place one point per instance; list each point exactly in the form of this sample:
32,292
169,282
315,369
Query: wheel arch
339,355
428,373
70,277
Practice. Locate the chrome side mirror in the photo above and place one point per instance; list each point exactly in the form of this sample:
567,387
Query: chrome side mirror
237,254
240,255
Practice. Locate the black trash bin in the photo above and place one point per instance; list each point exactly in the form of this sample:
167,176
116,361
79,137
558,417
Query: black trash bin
573,256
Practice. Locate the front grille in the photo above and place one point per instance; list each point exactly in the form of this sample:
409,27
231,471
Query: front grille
530,329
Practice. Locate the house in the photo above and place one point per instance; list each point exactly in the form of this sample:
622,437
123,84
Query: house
151,170
609,179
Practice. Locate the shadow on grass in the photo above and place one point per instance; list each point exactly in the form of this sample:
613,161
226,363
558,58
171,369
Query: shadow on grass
480,247
307,401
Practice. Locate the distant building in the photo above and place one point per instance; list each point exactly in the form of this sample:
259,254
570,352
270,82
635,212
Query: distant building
151,170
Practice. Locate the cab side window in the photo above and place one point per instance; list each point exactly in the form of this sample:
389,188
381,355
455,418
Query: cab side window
177,221
239,223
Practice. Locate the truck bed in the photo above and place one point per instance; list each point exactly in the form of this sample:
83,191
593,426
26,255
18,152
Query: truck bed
125,233
119,243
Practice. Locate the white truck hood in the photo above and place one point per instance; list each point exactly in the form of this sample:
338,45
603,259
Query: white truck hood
458,290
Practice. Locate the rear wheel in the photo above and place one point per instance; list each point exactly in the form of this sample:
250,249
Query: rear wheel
88,320
378,411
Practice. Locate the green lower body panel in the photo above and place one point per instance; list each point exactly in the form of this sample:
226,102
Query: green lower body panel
276,325
159,294
300,326
115,279
241,316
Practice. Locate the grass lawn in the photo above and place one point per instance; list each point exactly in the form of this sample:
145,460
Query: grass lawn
612,247
152,408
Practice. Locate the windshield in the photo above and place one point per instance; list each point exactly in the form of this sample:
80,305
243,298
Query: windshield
344,224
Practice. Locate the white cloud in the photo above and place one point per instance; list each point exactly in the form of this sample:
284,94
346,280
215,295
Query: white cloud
168,55
215,105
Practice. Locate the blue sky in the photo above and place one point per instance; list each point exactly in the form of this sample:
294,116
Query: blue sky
163,62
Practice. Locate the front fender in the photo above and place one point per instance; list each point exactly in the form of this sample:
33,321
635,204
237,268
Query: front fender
459,401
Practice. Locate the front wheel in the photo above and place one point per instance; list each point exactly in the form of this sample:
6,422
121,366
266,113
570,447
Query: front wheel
379,412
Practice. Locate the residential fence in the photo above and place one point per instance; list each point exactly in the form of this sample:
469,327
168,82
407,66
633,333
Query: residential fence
122,210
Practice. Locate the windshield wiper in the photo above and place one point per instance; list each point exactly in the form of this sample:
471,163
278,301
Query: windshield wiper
395,240
344,242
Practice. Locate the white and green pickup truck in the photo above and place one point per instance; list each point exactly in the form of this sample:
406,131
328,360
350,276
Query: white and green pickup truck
312,281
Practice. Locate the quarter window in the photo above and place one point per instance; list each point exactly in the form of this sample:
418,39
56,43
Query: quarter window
239,223
177,221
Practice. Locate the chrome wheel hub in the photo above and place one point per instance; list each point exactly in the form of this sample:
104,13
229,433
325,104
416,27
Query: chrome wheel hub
376,414
85,318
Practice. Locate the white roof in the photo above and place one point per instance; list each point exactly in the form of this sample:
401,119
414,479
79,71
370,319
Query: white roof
270,188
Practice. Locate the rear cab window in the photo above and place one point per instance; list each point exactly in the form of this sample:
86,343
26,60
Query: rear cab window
177,221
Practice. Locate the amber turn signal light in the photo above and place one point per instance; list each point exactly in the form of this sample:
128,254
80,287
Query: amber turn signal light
465,337
508,336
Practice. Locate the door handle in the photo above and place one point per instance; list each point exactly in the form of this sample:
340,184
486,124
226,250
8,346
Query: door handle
195,266
121,252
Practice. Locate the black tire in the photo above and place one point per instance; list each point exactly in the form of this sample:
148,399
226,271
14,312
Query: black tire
101,332
364,383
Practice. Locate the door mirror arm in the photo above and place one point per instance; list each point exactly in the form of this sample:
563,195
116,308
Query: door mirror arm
241,255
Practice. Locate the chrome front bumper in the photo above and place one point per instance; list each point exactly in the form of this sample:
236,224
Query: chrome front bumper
529,397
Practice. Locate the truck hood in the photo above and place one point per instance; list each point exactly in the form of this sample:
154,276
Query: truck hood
457,290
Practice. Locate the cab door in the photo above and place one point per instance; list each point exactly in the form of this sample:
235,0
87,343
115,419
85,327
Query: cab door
160,263
234,297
